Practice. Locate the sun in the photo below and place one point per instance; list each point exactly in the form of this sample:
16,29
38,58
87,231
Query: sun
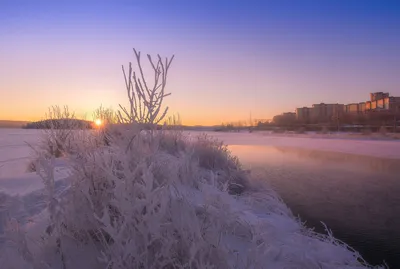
98,122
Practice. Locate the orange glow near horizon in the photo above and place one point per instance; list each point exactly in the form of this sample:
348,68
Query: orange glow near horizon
188,118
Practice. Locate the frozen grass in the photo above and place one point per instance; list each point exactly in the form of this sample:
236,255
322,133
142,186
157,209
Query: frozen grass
159,199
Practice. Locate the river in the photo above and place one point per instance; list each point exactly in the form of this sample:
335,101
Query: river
357,197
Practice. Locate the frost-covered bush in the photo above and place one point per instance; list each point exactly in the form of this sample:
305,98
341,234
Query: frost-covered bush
214,155
138,204
105,115
57,136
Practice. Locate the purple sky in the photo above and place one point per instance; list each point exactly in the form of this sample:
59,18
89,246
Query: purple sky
231,57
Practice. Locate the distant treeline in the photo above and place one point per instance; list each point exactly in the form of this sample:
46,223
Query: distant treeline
59,124
11,124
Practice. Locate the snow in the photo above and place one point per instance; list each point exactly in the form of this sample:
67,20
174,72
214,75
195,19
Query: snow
28,183
281,241
14,150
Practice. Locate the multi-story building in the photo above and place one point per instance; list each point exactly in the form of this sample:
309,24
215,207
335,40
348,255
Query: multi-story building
380,104
368,105
386,103
303,114
334,110
285,118
373,105
318,112
326,112
392,103
289,114
382,101
352,108
375,96
361,107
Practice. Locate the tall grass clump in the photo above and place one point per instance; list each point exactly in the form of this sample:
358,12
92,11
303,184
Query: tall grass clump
56,140
153,198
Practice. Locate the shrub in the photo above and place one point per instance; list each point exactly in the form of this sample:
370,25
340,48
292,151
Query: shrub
56,137
105,115
125,195
214,155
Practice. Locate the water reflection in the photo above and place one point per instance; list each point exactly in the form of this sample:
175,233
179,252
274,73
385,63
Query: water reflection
356,196
257,154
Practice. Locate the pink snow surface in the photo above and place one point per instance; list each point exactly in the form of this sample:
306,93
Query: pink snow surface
14,150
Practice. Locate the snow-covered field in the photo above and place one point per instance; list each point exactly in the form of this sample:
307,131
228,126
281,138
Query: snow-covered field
257,220
14,150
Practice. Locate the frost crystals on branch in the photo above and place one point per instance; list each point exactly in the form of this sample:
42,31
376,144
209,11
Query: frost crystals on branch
145,100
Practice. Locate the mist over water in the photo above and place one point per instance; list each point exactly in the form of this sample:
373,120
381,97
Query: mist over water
355,196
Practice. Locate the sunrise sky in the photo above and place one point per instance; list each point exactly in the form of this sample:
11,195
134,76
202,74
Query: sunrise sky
231,57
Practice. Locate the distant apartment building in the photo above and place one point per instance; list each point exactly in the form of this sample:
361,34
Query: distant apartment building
379,101
383,101
380,104
289,114
373,105
368,105
362,107
285,118
392,103
356,108
325,112
386,103
303,114
375,96
334,110
319,112
352,108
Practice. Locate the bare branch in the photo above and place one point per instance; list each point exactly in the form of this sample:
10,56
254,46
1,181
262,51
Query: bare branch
145,102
